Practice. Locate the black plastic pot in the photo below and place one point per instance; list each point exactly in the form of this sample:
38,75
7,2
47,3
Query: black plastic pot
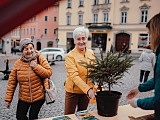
107,103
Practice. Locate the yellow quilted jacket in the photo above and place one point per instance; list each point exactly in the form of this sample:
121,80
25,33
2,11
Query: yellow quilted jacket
30,85
76,81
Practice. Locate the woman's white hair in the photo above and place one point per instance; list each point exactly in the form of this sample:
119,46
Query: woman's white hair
80,30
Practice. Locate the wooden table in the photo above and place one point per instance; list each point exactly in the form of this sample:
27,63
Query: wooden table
123,112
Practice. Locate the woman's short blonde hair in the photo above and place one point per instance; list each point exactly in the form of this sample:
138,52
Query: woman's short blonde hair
80,30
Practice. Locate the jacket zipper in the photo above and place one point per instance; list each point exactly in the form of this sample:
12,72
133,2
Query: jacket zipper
30,90
87,70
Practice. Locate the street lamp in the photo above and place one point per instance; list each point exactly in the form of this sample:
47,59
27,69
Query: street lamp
57,40
32,38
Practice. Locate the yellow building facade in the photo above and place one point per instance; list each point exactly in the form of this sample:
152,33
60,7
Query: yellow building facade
111,22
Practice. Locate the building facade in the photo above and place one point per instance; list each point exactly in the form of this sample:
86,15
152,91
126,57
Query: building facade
41,28
116,23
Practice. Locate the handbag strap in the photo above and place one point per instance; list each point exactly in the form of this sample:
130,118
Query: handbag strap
38,62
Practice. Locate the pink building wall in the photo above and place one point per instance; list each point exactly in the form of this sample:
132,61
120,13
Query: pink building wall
35,28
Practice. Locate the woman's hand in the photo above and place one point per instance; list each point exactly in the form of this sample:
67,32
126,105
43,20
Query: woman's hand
133,102
91,94
8,104
132,94
33,64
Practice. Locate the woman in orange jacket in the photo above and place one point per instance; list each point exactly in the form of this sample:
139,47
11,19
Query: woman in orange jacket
78,88
28,74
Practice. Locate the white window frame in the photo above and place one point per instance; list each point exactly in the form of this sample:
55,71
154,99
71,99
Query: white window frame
81,2
106,1
95,18
123,17
80,19
143,40
95,2
69,4
68,20
124,0
105,17
144,16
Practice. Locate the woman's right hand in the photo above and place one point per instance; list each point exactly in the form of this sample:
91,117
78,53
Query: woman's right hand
91,94
8,104
132,94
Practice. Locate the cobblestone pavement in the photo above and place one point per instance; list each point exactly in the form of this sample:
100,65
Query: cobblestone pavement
130,81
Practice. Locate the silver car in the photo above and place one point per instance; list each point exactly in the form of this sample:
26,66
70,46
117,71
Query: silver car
53,53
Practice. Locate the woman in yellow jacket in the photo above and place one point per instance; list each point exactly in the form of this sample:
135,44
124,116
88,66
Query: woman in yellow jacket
78,88
28,74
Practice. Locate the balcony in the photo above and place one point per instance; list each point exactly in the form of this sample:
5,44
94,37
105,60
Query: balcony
99,26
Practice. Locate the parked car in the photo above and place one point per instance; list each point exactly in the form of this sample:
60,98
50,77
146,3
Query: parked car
53,53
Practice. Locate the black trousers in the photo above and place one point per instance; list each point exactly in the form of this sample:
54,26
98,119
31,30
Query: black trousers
144,74
73,101
23,107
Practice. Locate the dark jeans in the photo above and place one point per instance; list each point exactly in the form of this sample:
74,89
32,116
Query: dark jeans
73,100
23,107
144,74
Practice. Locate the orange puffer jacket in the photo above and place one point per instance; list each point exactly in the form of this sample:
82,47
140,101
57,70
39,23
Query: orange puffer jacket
30,85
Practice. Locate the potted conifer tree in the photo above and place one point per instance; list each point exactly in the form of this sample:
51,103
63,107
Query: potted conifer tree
108,71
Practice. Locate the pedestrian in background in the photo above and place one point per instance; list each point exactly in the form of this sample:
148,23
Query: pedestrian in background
150,103
78,88
28,74
147,62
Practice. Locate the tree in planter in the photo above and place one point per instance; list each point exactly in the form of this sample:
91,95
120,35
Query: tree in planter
108,70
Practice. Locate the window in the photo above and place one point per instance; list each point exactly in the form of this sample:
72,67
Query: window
96,2
80,19
27,31
106,1
55,31
45,31
31,31
143,40
69,5
46,18
144,14
124,0
105,17
123,17
49,44
34,31
24,31
68,20
81,2
95,18
55,19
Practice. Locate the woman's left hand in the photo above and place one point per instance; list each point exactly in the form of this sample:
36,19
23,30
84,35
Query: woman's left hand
33,64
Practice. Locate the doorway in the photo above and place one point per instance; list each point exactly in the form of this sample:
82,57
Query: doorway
38,45
99,40
122,41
